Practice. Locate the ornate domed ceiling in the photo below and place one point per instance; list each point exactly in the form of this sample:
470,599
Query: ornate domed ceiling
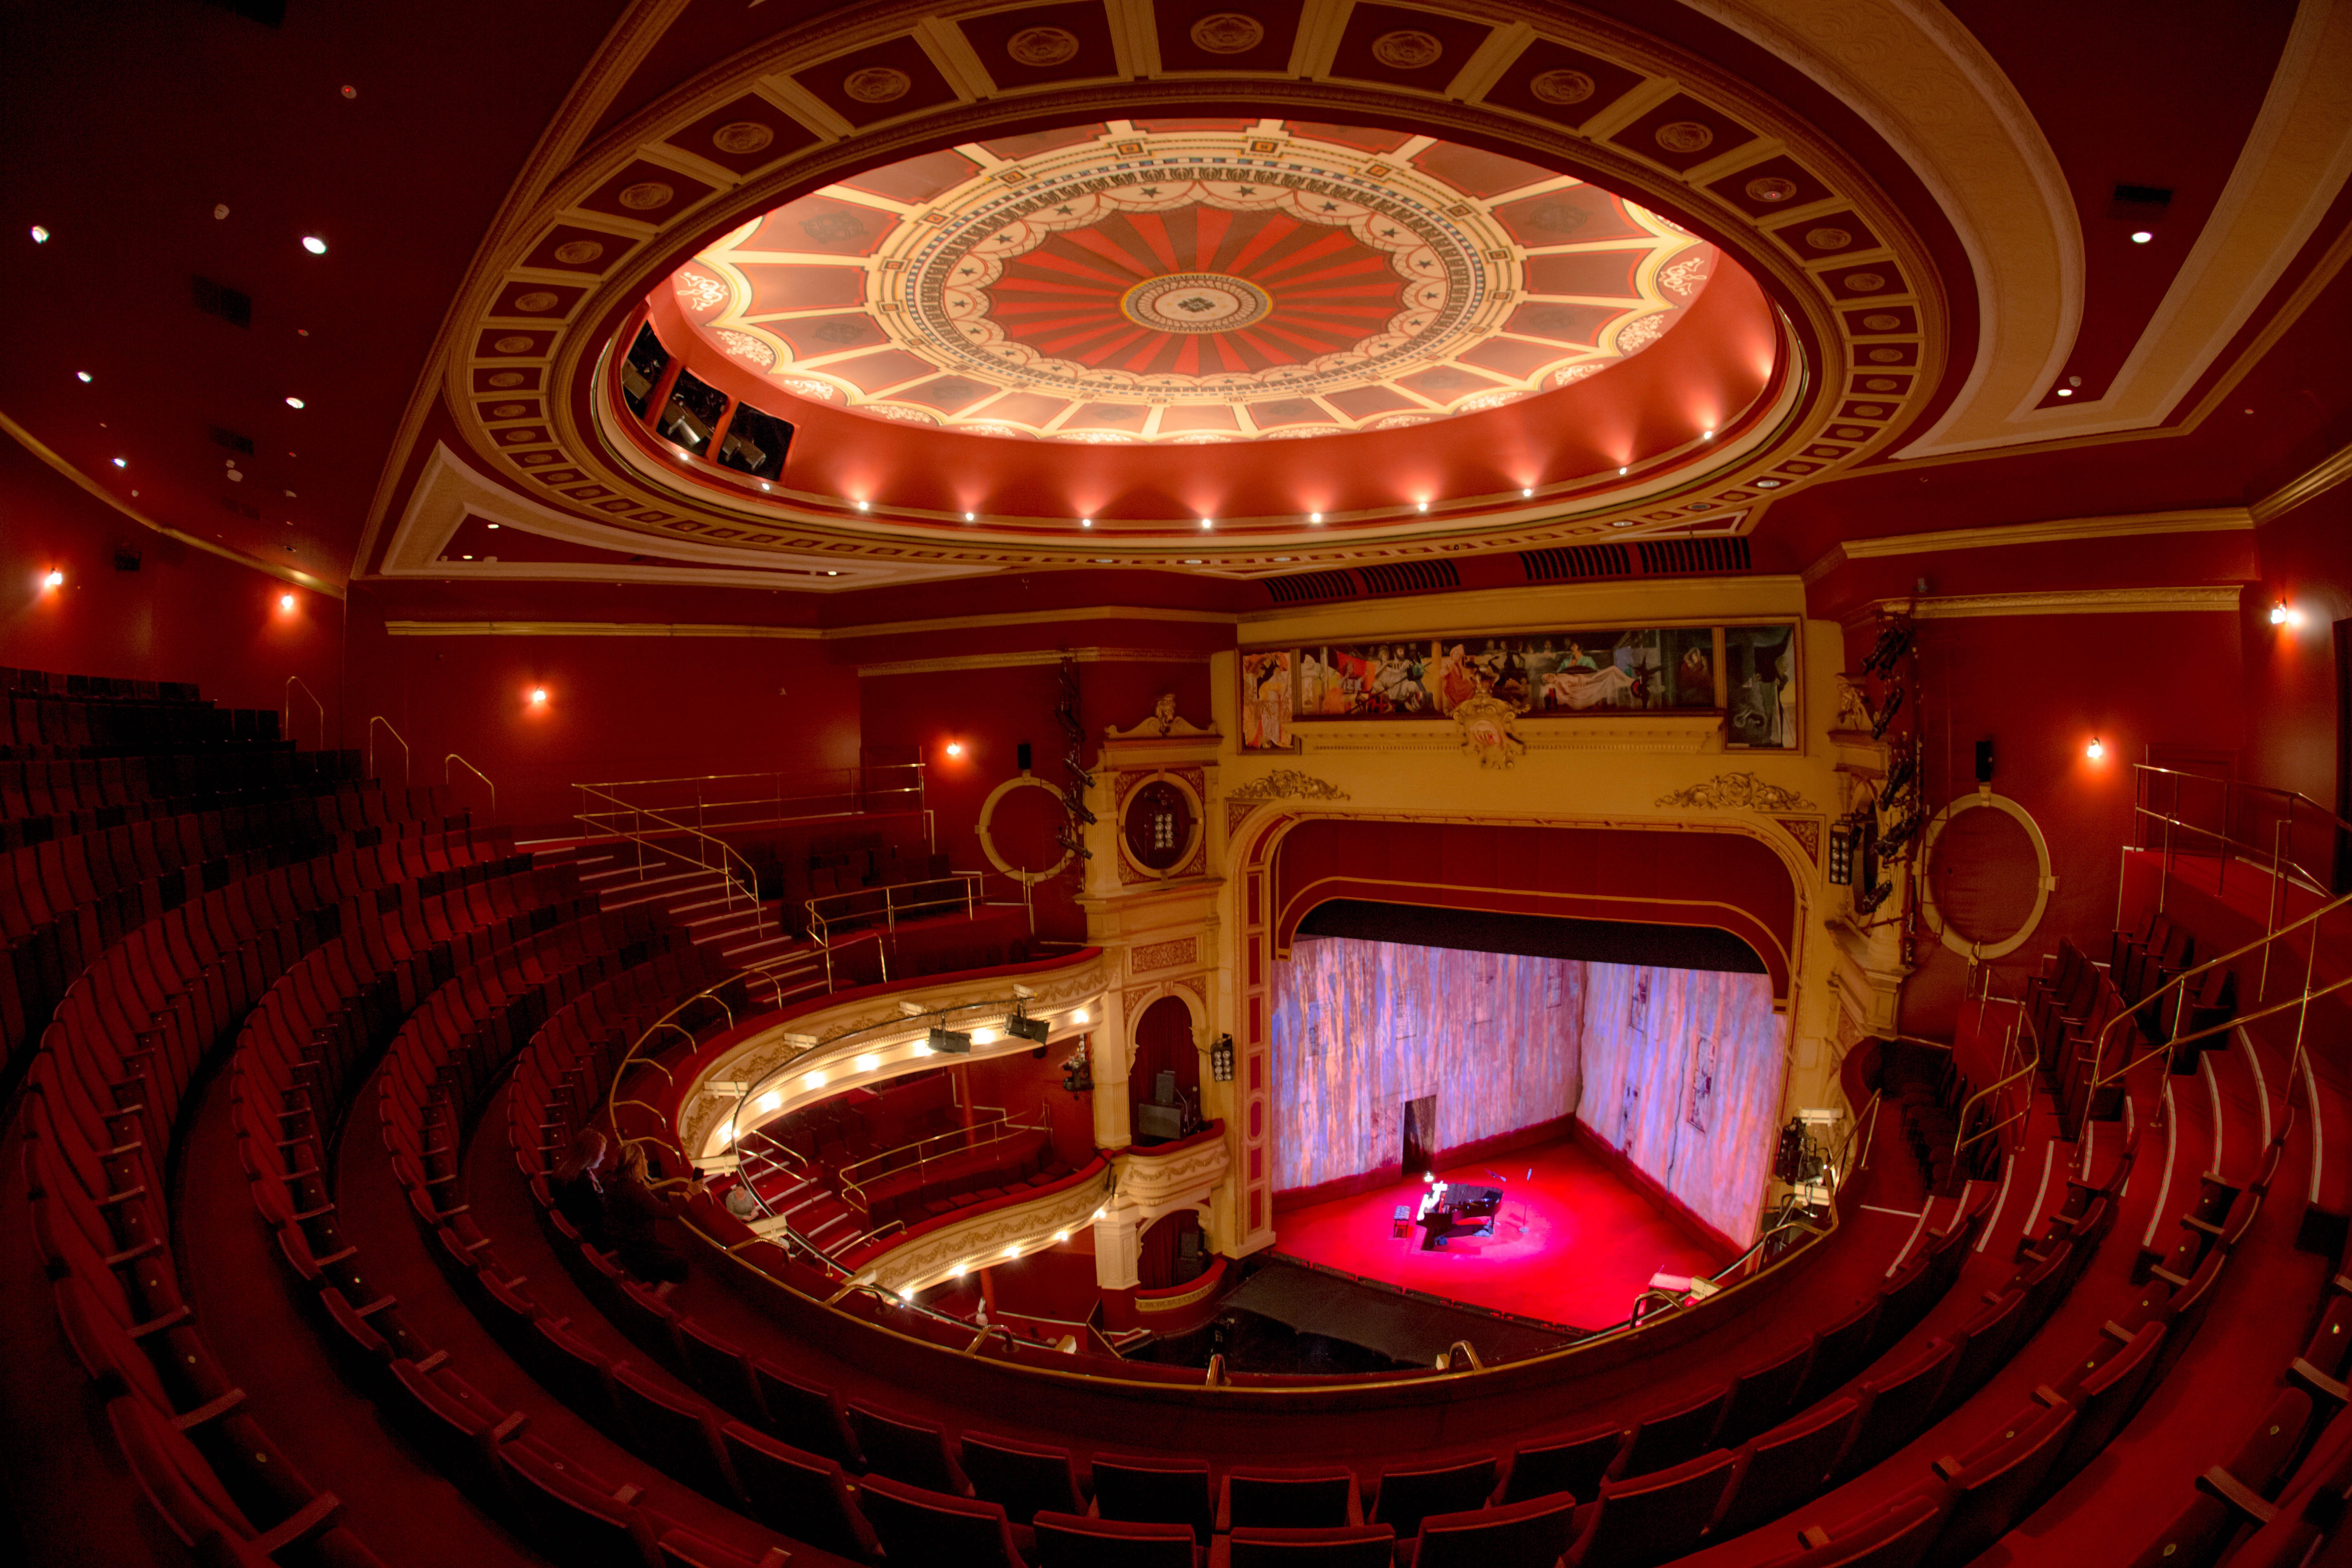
1192,282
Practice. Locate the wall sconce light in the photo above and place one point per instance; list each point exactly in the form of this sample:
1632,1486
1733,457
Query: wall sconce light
286,603
53,580
955,748
538,696
1221,1059
2280,613
2095,750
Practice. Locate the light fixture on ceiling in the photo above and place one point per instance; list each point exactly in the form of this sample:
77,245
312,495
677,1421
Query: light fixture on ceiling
863,507
1707,437
40,235
1526,492
122,462
314,245
1623,522
538,696
2065,392
293,402
2280,613
1314,516
972,517
1622,472
763,484
831,574
1081,1016
1208,522
490,525
2141,237
82,375
1423,507
1086,523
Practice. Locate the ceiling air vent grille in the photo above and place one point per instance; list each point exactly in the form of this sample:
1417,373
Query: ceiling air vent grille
1663,557
231,305
1308,588
1575,563
1408,577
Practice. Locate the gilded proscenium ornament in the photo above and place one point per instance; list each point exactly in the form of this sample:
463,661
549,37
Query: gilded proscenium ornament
1287,783
1489,731
1736,792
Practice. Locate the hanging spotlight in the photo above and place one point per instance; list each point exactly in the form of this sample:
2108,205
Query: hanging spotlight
82,375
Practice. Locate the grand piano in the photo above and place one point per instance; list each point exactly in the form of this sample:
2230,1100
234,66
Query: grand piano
1450,1209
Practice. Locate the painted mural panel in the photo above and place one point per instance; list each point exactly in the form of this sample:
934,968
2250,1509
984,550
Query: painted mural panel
1361,1028
1266,697
1761,667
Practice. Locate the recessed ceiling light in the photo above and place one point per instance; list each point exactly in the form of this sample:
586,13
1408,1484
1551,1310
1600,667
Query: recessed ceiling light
863,507
1622,472
833,573
1526,492
314,245
2065,392
53,580
1423,507
82,375
1625,522
122,462
465,558
1768,484
1708,436
493,525
1314,516
763,484
1086,523
1192,563
40,235
285,601
2142,236
293,402
969,517
1208,522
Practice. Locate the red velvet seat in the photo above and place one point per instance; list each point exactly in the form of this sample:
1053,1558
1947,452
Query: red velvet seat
680,1436
918,1527
1895,1535
1531,1534
1667,1437
1403,1498
1988,1491
1896,1404
1318,1498
906,1450
1023,1478
1640,1521
1784,1468
1759,1396
1153,1491
580,1519
1576,1464
804,1495
1076,1541
1343,1546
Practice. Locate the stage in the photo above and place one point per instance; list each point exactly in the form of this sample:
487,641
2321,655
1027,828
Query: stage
1574,1244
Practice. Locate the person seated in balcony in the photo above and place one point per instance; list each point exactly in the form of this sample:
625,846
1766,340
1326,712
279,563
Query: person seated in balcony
578,1190
635,1208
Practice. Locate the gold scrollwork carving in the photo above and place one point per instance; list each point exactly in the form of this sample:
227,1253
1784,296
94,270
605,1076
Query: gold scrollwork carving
1735,791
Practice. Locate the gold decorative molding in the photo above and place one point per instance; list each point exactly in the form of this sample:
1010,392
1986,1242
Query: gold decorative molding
2196,520
593,629
1734,791
981,1240
1030,658
2314,482
1488,730
1658,731
1287,783
1150,1179
2075,601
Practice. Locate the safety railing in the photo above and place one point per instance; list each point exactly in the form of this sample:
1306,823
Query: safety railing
448,783
710,802
286,724
674,838
858,1179
374,720
2285,836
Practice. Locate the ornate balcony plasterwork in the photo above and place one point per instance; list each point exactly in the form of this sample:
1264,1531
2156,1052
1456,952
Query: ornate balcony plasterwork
1155,1179
981,1239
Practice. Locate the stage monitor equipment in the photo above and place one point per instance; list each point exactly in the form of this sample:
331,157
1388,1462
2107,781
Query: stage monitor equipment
1034,1029
951,1042
1165,1122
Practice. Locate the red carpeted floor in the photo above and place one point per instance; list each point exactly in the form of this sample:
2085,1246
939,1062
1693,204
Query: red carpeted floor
1573,1244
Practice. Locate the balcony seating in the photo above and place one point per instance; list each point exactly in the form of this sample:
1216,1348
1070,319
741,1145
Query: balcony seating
1321,1498
1780,1469
1403,1498
1341,1546
906,1450
1576,1464
1021,1478
1638,1521
927,1527
1075,1540
1531,1534
1153,1491
799,1494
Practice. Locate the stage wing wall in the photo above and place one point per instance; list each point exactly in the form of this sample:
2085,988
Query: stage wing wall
1361,1028
1683,1074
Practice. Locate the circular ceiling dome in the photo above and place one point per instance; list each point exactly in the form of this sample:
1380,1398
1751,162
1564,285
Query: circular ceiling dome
1192,282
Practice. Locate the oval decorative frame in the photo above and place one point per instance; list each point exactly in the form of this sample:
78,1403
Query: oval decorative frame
988,839
2045,882
1192,840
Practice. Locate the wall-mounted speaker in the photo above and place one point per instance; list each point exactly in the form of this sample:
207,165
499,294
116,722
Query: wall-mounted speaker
1021,755
1984,762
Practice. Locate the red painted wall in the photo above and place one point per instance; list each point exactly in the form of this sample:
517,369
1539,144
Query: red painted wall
186,615
618,708
2039,687
2290,692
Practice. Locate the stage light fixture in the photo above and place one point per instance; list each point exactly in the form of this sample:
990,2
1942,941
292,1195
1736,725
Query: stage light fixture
1034,1030
1221,1059
2278,614
122,462
950,1042
955,748
2095,750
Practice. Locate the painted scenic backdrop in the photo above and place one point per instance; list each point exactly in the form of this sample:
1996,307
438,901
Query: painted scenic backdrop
1680,1070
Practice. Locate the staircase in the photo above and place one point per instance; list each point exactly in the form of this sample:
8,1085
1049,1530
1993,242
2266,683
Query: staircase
747,936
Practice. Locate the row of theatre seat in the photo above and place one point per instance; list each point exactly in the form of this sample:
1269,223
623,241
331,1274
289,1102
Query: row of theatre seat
130,1038
44,724
53,799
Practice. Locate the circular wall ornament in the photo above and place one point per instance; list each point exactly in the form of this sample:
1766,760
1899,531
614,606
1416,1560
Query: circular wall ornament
512,344
1828,239
1865,282
2046,881
1228,33
1881,320
988,842
743,136
1041,46
1562,87
1684,136
1407,49
1160,825
538,300
1771,188
645,195
507,378
578,252
877,84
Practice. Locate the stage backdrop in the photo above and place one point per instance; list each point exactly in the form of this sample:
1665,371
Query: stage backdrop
1679,1070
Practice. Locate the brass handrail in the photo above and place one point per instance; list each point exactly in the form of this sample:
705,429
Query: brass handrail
374,719
291,682
729,857
454,757
1002,1129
